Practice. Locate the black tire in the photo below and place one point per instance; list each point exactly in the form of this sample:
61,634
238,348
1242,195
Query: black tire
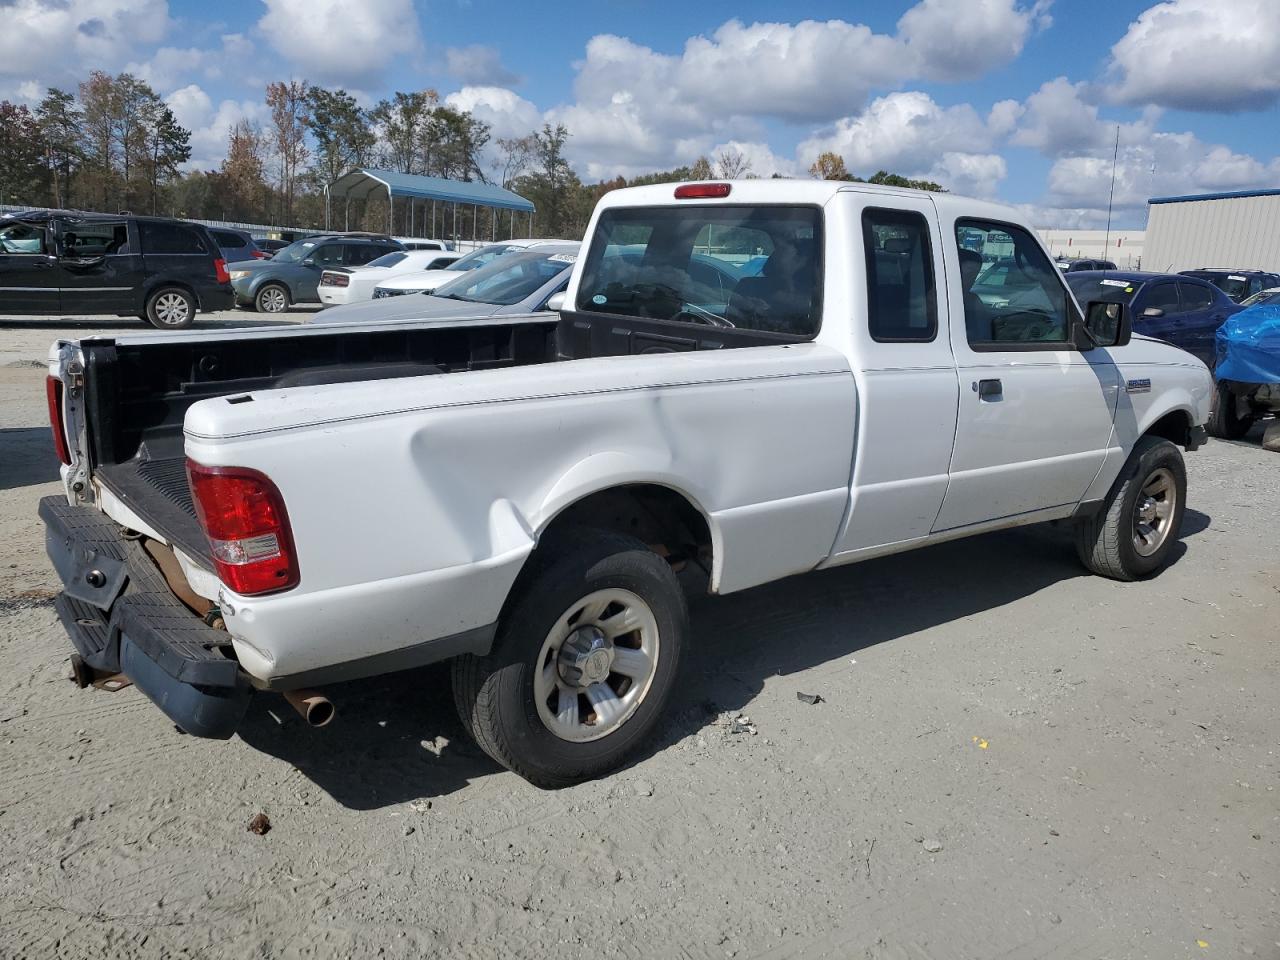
1225,421
272,298
1106,541
171,308
495,694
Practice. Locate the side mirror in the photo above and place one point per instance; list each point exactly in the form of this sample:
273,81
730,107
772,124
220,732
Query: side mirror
309,262
1153,312
1106,324
556,302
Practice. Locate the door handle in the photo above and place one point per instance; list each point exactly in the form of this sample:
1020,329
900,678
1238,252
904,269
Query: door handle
990,390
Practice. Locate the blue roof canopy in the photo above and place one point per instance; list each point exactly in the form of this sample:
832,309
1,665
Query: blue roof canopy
364,182
1230,195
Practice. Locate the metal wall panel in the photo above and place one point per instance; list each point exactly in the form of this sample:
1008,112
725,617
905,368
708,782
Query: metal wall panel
1242,233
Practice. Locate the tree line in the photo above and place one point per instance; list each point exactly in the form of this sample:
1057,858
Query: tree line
115,145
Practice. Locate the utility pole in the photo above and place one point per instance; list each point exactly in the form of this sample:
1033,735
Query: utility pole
1106,246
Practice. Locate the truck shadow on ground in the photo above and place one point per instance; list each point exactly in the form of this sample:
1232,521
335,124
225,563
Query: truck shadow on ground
397,738
28,457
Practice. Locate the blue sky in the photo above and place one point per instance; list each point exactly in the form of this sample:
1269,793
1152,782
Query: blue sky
1014,99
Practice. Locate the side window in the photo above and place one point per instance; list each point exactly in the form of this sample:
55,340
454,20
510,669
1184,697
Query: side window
901,302
22,238
1196,297
88,239
1162,296
358,254
170,238
1013,294
229,241
329,255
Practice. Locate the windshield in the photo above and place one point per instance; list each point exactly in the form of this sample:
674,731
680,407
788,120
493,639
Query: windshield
388,259
510,279
756,268
1262,296
1106,289
295,251
485,255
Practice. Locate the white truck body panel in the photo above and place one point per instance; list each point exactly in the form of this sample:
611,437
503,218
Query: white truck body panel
415,502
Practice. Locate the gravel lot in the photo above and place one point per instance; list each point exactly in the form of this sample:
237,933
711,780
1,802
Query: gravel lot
1010,759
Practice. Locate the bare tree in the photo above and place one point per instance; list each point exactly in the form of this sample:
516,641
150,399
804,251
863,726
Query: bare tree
289,116
514,156
732,164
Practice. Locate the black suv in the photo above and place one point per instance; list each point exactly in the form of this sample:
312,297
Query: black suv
1236,284
154,268
293,274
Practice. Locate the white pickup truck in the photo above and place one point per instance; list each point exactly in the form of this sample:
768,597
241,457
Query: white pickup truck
755,378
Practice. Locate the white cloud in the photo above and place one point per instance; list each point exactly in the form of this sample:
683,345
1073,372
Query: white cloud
330,41
910,134
1201,55
59,41
507,113
209,124
1058,122
963,39
478,65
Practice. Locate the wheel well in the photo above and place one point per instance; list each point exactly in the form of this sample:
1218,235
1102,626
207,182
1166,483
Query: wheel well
661,517
1174,426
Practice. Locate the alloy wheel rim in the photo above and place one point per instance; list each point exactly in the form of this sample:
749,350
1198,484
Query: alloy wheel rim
1153,512
273,301
597,665
171,309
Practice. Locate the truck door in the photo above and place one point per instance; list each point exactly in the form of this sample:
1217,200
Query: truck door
906,373
28,274
1035,414
100,270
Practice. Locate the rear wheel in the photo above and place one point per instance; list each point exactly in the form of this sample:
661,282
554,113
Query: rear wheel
584,662
1225,419
171,308
272,298
1132,535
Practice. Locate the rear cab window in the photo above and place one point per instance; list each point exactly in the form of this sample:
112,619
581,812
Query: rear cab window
901,298
751,268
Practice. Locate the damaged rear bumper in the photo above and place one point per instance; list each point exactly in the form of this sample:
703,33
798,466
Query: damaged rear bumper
122,617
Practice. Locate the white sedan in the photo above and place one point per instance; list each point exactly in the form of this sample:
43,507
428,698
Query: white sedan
343,285
419,282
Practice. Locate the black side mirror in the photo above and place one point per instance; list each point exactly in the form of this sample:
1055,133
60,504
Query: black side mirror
1153,312
1106,324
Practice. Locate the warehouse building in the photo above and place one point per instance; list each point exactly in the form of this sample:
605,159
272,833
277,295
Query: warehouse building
1240,231
1124,248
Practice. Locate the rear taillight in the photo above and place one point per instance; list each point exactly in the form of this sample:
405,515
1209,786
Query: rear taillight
244,517
53,391
700,191
335,280
260,255
220,268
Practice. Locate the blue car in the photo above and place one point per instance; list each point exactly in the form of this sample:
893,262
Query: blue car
1184,311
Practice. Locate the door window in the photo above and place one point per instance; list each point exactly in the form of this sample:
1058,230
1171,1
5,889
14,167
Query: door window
358,254
22,238
168,238
329,255
1013,295
1162,296
1196,297
94,239
901,304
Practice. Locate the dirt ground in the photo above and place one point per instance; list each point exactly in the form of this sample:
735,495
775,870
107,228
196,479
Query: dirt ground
1010,759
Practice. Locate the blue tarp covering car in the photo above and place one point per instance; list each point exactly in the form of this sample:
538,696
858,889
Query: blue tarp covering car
1249,345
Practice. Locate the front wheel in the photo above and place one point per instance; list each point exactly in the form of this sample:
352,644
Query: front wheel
1134,532
171,308
1225,421
584,663
272,298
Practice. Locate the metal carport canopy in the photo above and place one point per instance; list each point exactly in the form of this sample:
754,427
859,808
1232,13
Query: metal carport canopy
362,183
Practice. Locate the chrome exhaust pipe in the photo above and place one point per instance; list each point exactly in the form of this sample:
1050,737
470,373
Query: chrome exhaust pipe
313,706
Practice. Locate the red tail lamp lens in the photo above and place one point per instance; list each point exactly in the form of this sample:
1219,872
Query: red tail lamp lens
244,517
53,392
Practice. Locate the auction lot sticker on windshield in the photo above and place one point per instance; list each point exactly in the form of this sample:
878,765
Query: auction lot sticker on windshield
1232,276
563,258
1114,283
